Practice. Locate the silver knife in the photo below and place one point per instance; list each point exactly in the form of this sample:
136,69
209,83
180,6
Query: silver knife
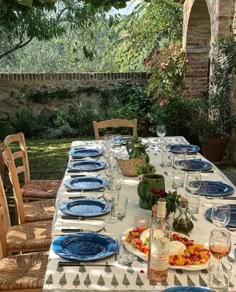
229,198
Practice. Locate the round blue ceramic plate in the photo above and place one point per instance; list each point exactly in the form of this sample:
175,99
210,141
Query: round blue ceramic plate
85,152
197,165
120,140
84,207
215,189
86,165
187,289
86,183
232,222
184,148
85,246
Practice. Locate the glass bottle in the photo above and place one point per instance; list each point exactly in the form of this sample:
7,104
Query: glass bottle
158,258
182,218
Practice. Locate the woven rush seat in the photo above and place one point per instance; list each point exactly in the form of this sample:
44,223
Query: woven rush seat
27,212
23,272
29,237
43,189
39,210
35,236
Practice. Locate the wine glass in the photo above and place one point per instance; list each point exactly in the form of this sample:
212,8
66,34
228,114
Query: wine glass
110,197
161,131
219,244
117,182
220,215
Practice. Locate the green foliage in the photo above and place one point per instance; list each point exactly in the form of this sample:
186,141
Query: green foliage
131,101
146,168
216,116
166,67
150,26
25,122
42,96
179,115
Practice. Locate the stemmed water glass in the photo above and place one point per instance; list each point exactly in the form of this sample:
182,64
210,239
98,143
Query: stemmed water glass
117,182
161,131
220,215
110,196
220,244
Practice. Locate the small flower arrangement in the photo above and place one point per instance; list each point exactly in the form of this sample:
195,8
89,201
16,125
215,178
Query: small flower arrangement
172,199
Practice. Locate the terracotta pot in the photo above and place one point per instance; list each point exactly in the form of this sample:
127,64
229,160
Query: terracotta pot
215,148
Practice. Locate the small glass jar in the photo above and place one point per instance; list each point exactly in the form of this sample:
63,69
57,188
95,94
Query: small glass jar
182,218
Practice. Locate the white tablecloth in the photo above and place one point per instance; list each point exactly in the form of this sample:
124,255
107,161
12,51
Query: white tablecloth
121,278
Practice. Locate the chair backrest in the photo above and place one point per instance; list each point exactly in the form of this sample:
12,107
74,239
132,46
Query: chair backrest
114,123
5,221
13,175
16,143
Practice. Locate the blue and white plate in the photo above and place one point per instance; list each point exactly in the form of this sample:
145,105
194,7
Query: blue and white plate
232,221
188,289
184,148
215,189
84,207
85,152
197,165
86,165
86,183
85,246
120,140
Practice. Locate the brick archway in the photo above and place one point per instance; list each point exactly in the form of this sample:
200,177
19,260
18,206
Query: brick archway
197,36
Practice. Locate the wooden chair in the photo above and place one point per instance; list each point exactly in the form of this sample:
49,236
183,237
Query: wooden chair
35,236
114,123
23,272
32,189
27,212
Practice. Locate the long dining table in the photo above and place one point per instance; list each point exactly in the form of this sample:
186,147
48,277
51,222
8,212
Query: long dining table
108,274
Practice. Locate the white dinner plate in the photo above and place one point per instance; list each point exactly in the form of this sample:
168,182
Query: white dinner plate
144,257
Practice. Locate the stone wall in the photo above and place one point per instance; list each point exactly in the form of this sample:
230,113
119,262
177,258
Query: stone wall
14,88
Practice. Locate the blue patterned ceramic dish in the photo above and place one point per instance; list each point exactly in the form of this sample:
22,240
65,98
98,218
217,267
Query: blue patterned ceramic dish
184,148
197,165
84,207
85,246
86,183
120,140
85,152
86,165
215,189
188,289
232,221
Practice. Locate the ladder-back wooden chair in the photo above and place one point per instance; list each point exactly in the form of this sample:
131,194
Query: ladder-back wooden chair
35,236
114,123
32,189
23,272
27,212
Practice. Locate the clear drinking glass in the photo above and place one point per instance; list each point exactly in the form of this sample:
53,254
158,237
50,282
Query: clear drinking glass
179,161
193,182
220,215
110,197
161,131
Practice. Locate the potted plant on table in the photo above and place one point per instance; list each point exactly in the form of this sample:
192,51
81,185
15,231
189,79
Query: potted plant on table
137,156
216,119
